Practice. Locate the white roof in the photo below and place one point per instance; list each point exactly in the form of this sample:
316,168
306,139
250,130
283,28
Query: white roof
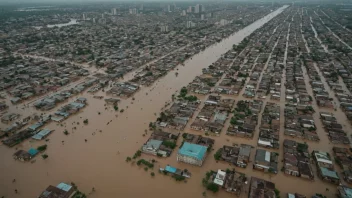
220,177
264,142
267,156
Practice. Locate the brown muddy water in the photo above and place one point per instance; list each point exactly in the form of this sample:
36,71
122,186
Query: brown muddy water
100,162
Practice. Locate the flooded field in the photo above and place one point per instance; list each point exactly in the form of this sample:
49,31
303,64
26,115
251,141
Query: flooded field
93,155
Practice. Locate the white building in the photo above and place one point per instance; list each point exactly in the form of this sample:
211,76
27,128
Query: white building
94,20
169,8
202,17
102,15
113,11
133,11
84,17
197,8
164,28
220,178
190,24
183,13
224,22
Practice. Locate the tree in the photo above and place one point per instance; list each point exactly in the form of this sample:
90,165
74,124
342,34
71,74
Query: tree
42,147
217,155
152,174
213,187
85,121
116,108
44,156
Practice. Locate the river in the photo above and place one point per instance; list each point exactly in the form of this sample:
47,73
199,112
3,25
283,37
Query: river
100,162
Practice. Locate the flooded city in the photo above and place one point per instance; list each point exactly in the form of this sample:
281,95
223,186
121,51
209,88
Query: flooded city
266,92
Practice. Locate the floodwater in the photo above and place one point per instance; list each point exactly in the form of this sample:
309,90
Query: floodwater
100,163
72,22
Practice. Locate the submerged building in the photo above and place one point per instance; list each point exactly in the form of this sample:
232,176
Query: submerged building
192,154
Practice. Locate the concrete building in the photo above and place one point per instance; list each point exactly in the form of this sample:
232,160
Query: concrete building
224,22
164,28
183,13
199,8
84,17
202,17
192,154
133,11
190,24
113,11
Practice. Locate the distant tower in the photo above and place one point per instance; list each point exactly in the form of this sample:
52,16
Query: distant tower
93,20
113,11
102,15
84,17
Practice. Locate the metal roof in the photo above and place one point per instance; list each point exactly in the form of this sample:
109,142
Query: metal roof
193,150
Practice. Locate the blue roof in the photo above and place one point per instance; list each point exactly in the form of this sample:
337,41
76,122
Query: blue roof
36,126
193,150
41,134
170,169
33,151
64,187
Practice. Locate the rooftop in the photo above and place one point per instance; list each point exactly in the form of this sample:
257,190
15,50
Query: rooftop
193,150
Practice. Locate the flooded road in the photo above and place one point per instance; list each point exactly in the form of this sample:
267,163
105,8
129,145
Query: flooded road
100,162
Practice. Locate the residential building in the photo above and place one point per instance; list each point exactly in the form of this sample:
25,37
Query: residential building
113,11
192,154
266,161
190,24
325,167
344,191
62,190
260,188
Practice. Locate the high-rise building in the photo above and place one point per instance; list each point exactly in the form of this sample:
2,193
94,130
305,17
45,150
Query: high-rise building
202,17
102,15
133,11
202,8
197,8
224,22
164,28
183,13
169,8
84,17
141,7
93,20
113,11
190,24
189,10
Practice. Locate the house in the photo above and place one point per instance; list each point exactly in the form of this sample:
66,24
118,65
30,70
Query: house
220,178
265,161
42,134
62,190
296,195
234,182
260,188
192,154
344,191
152,146
325,167
22,155
237,155
296,160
